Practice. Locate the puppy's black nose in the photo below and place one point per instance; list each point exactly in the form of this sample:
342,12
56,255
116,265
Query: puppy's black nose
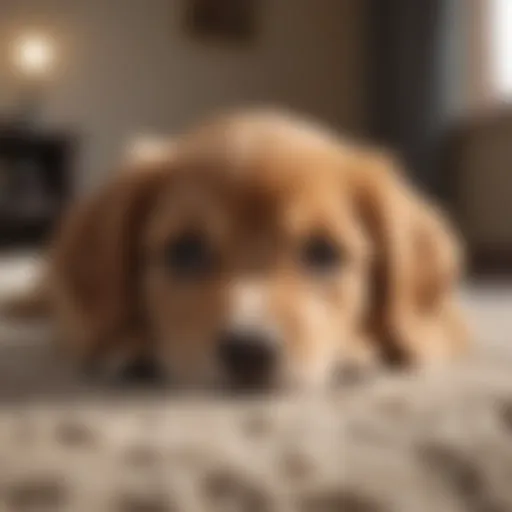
249,357
139,372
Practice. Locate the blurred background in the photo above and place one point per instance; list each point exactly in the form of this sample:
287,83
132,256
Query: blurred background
82,81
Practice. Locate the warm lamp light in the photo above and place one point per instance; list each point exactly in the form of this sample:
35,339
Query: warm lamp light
34,55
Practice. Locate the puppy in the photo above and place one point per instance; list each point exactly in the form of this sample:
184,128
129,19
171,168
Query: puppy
262,251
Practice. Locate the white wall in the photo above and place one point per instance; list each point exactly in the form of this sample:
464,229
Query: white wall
127,67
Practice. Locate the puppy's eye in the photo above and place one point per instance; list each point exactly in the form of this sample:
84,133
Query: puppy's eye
189,255
320,254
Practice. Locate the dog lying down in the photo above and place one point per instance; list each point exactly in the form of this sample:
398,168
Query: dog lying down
260,251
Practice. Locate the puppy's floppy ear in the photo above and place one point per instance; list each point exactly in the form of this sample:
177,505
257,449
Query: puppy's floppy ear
95,262
417,265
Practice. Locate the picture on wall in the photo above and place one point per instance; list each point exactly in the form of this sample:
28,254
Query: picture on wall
224,20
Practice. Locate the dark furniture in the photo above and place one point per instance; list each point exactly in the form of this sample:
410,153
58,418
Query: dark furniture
477,163
35,172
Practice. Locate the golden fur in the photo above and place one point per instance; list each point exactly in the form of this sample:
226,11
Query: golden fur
258,185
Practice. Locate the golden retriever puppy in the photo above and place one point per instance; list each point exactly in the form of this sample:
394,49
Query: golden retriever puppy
262,251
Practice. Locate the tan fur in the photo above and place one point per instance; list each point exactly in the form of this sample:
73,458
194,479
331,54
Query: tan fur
258,185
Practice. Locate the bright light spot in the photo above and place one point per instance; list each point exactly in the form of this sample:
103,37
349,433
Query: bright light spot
500,33
34,55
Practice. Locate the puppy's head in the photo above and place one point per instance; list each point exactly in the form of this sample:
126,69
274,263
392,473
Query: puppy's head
246,259
256,266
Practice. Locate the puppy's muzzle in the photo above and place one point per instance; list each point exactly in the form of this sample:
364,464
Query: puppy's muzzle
249,358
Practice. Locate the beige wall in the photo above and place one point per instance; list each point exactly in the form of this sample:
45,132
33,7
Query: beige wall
127,67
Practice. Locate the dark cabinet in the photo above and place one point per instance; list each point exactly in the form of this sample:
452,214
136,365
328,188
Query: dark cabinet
35,176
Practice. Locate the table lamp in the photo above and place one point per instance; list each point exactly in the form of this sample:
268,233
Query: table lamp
33,57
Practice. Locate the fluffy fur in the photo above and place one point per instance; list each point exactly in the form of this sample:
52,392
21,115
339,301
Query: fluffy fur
258,186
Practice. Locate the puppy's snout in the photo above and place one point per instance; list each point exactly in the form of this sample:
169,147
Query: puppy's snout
249,357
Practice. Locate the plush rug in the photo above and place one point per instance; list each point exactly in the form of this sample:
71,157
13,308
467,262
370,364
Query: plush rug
438,441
